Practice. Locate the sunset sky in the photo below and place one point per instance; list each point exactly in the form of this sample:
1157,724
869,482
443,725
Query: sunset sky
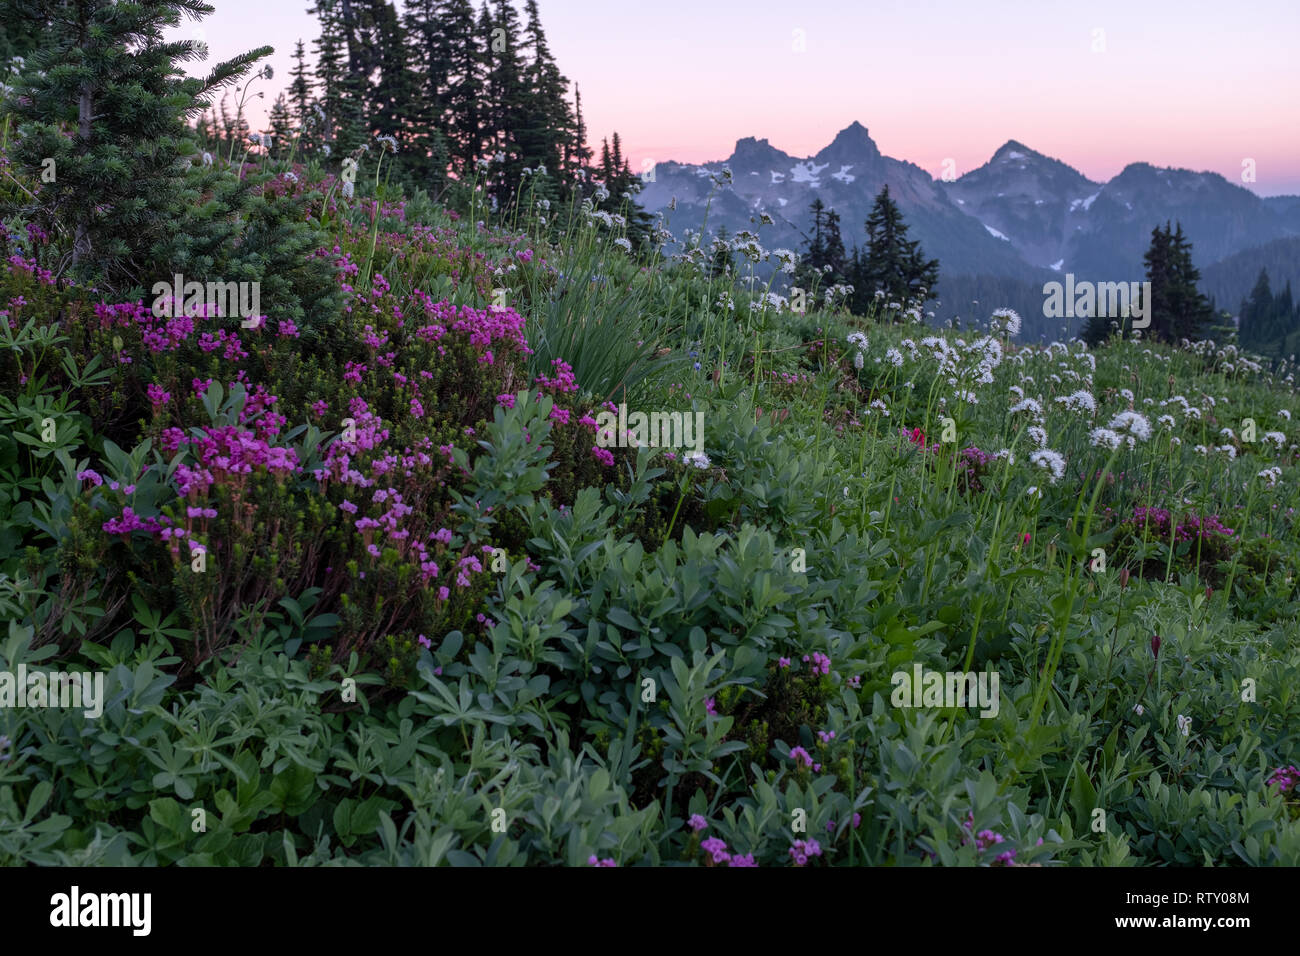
1191,84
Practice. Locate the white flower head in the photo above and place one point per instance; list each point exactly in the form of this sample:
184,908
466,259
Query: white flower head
1080,401
1104,438
1184,725
1050,461
1007,320
1134,426
698,459
1030,407
786,258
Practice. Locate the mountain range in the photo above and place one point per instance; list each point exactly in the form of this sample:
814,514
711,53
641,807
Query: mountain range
1019,220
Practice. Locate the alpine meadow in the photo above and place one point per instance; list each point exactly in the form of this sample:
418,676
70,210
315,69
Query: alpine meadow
396,470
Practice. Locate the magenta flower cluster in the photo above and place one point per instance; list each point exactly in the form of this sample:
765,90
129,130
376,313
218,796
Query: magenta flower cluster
1158,520
715,847
804,850
989,838
821,664
1285,779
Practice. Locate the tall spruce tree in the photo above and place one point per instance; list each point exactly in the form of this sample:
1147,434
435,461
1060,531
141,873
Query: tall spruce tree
105,106
893,263
300,89
549,119
1257,315
579,149
283,127
834,255
808,271
340,128
1177,309
1192,313
429,59
506,98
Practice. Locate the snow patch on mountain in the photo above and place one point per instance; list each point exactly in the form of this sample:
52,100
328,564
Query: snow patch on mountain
777,177
1056,266
807,172
844,175
995,234
1085,203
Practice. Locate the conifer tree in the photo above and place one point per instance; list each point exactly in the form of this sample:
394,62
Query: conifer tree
106,76
834,254
808,274
463,96
283,127
1192,313
892,263
506,101
548,119
300,94
1256,314
579,149
331,71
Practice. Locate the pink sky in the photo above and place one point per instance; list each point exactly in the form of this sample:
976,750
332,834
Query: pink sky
1185,83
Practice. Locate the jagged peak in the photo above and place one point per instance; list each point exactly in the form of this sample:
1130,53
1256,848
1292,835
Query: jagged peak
853,137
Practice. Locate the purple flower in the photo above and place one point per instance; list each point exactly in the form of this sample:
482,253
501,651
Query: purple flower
716,848
697,822
783,662
803,849
709,706
746,859
798,754
158,396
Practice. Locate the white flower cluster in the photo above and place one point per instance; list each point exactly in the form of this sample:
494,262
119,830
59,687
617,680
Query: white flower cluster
1079,402
1050,461
1006,320
858,339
